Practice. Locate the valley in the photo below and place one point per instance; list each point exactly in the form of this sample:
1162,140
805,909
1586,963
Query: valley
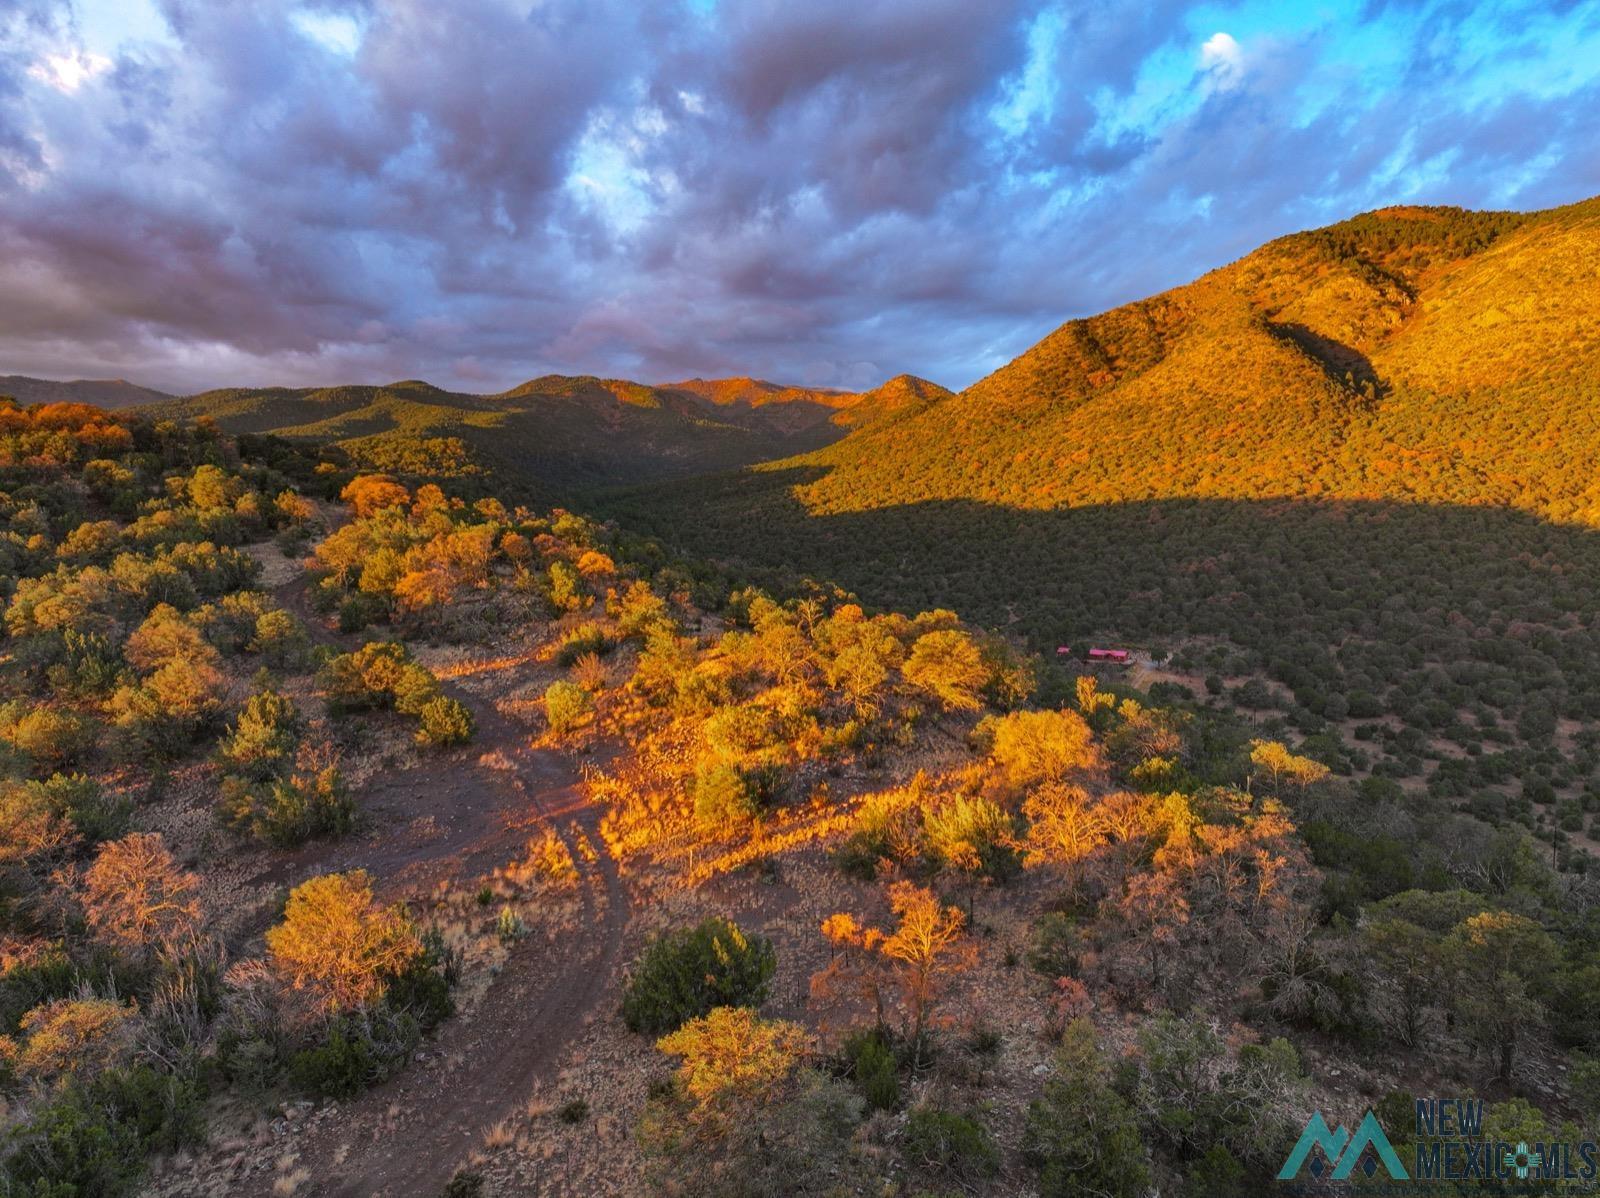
707,788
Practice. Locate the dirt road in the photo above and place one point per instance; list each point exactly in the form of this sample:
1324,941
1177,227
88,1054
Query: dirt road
407,1136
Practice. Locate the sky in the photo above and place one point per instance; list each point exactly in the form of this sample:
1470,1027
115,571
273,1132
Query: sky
280,192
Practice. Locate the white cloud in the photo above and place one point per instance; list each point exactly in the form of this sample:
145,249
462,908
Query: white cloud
337,32
69,71
1223,58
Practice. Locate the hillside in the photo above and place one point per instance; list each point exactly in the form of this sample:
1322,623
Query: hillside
103,393
556,434
1357,465
358,838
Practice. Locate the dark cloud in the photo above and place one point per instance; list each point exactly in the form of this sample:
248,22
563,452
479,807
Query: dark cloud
829,192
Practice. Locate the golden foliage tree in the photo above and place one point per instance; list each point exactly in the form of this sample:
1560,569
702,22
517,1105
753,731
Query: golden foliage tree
136,897
733,1054
338,944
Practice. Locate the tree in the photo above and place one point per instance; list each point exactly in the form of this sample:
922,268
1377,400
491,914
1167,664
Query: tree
948,665
972,836
1065,827
368,494
732,1054
1283,765
136,897
1499,956
1081,1135
1033,747
1155,910
338,944
929,943
1405,967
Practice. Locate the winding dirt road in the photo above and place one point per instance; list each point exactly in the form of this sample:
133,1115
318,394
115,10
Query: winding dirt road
407,1136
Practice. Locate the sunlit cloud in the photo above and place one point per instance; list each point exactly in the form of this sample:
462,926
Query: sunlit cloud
67,72
1223,58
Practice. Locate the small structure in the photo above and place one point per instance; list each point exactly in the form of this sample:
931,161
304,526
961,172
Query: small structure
1114,656
1063,650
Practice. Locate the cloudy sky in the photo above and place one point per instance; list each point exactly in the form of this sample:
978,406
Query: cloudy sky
233,192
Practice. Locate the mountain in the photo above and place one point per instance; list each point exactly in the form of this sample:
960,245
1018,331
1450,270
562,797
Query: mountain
1360,464
558,433
103,393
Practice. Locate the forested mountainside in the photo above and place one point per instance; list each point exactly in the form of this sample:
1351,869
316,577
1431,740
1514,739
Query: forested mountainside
557,436
1348,480
359,837
103,393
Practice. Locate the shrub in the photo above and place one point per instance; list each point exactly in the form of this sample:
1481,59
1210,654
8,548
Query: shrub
684,974
49,738
93,1138
585,639
289,811
950,1144
263,739
566,705
873,1067
1081,1135
360,1050
1057,945
443,722
723,799
94,814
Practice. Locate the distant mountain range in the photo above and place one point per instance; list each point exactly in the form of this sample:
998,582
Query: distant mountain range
103,393
560,433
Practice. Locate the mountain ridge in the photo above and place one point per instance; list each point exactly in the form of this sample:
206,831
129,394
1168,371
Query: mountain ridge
558,434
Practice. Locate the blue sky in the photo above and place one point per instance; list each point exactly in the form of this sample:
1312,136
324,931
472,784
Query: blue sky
197,194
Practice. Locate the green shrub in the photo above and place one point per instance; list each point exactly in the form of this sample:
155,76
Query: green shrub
566,705
873,1068
95,814
289,811
359,1050
262,742
93,1138
952,1145
723,799
1057,945
443,722
683,974
1081,1134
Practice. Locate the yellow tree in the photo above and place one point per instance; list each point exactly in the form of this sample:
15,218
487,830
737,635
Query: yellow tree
1065,827
337,943
136,897
949,665
930,942
732,1054
1043,746
1283,765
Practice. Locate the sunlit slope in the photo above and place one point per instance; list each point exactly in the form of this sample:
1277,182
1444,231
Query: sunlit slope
1425,354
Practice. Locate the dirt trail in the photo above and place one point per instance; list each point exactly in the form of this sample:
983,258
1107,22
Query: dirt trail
407,1136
